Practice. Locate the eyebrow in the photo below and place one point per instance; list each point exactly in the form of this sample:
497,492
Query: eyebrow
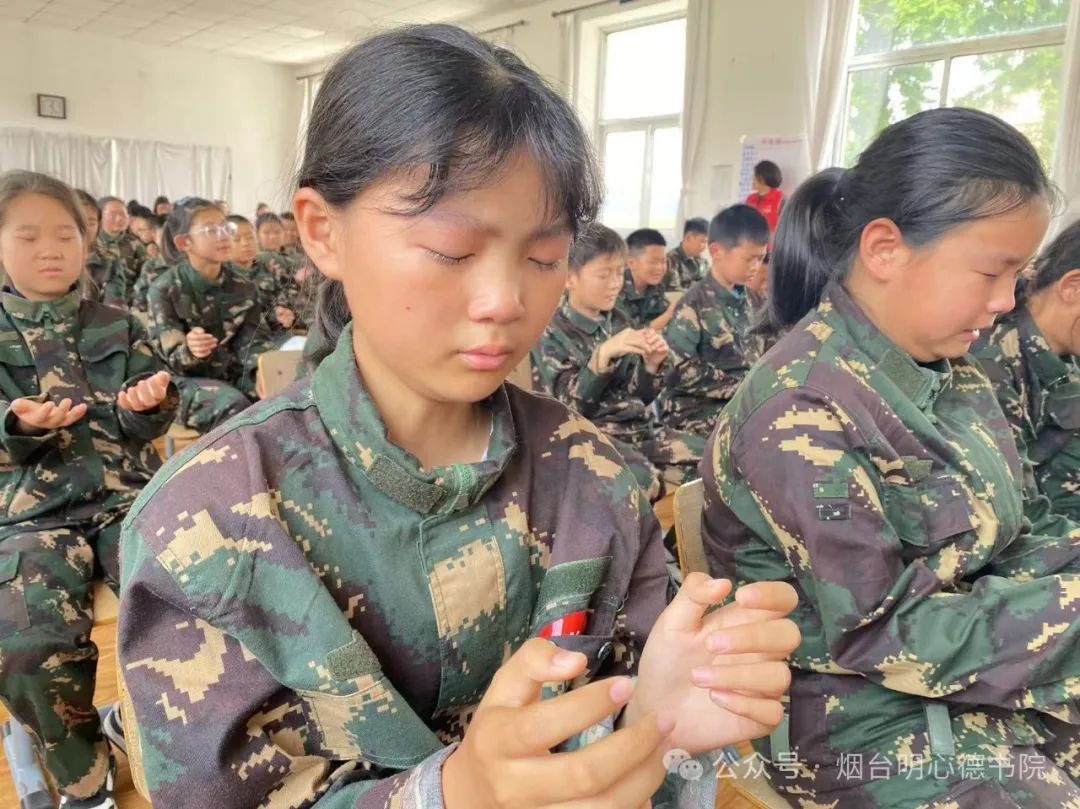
472,223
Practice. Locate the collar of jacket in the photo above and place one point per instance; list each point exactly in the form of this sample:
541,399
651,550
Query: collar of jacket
722,293
587,324
57,310
920,383
199,282
1049,368
359,433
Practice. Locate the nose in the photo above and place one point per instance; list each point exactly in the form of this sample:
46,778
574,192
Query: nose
496,294
1004,298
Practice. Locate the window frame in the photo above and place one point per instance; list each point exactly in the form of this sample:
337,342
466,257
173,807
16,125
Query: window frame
649,123
1049,36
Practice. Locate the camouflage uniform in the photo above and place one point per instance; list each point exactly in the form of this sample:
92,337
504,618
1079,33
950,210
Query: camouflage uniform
564,364
641,308
128,249
407,590
62,497
1040,394
683,271
152,269
223,384
274,281
940,635
710,355
107,274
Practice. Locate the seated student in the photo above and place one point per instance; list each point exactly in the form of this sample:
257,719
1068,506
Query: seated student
1030,357
591,359
162,206
767,199
642,299
107,282
141,225
261,209
685,266
269,275
152,269
153,248
866,461
290,242
270,233
82,396
354,593
709,333
205,318
222,206
115,241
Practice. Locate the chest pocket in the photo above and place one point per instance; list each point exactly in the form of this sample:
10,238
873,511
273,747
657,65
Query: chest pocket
105,364
575,612
929,514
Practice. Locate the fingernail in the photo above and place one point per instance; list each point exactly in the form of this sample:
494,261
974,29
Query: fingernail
718,643
565,660
621,690
665,723
700,676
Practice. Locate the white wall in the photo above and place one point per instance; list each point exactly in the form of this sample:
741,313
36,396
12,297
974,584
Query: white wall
754,87
129,90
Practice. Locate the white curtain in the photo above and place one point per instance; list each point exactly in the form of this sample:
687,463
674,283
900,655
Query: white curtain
829,26
129,169
1067,154
311,89
694,97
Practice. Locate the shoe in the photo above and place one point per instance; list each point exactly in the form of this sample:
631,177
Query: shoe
104,799
113,727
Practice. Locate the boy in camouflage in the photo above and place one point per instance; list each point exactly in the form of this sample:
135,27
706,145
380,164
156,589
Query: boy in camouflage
268,274
74,452
353,594
685,263
642,301
709,332
1030,357
866,460
591,359
106,275
116,242
205,317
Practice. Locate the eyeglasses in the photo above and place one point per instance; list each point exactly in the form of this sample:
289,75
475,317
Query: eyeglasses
213,231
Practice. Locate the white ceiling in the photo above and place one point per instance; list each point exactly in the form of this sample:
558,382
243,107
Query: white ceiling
285,31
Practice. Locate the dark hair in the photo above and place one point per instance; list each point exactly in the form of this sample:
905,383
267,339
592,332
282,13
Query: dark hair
1060,257
696,225
769,173
178,223
594,240
88,201
737,224
287,215
103,201
266,219
237,219
930,173
162,199
158,220
438,98
17,183
637,241
140,211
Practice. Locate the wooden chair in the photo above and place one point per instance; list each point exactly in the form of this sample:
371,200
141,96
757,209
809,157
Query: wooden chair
178,437
276,371
748,781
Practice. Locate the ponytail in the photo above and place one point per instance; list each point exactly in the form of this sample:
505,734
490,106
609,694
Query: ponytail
332,315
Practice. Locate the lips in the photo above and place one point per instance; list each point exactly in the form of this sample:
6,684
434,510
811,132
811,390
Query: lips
486,358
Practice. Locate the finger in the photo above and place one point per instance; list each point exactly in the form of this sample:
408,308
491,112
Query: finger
197,330
122,400
74,415
698,594
770,596
143,396
519,680
765,712
615,763
780,636
769,679
543,725
21,407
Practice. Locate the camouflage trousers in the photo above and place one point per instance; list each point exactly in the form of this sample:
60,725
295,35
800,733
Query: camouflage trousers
48,663
694,416
205,403
662,461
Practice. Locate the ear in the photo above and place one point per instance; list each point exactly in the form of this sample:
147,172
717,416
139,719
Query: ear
715,249
882,250
1068,287
317,227
183,243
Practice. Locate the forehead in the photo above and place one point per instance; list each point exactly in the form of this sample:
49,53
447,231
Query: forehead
115,206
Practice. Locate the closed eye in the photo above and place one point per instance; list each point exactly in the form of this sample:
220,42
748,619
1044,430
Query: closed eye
547,266
448,259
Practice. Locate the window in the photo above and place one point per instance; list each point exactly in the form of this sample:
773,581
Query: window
640,123
1001,56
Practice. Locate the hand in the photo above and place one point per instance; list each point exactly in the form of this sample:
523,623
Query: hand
628,341
720,676
147,394
200,344
656,350
286,317
505,761
38,418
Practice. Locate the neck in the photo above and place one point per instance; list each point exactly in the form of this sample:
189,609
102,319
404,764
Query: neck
720,279
436,433
210,270
1044,312
245,265
871,301
588,311
37,297
640,284
111,234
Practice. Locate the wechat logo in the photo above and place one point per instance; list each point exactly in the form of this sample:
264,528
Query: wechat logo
678,761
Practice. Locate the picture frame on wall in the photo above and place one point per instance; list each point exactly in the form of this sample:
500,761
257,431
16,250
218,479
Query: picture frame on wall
50,106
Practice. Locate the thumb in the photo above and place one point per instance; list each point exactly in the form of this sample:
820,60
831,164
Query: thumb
519,680
698,593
